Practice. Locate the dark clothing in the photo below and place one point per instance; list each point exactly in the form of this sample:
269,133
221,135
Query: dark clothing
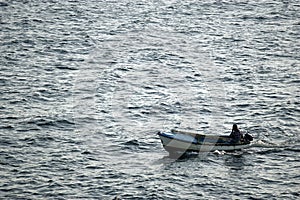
236,136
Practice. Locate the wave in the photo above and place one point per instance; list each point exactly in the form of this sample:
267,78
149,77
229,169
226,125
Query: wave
44,122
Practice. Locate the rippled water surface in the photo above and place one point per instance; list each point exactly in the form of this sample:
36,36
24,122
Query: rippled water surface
85,86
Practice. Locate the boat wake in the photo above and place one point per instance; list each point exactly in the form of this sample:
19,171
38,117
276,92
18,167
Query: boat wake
264,144
268,144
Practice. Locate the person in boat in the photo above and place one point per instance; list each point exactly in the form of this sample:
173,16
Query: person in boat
236,136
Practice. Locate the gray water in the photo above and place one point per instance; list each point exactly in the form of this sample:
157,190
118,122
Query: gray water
85,86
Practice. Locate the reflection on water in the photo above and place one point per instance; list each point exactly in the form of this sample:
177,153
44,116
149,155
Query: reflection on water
235,161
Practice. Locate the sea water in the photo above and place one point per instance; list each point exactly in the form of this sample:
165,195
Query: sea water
86,85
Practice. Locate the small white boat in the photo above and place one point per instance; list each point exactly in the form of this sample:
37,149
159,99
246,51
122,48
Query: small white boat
182,142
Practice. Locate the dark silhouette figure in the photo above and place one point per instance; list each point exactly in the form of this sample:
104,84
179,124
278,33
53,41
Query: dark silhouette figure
236,135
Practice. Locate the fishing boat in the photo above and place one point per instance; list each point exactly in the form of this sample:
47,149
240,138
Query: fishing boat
178,141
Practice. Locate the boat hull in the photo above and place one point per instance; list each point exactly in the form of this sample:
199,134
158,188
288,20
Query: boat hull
180,142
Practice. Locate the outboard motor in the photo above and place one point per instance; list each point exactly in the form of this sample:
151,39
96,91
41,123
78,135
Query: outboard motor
248,137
